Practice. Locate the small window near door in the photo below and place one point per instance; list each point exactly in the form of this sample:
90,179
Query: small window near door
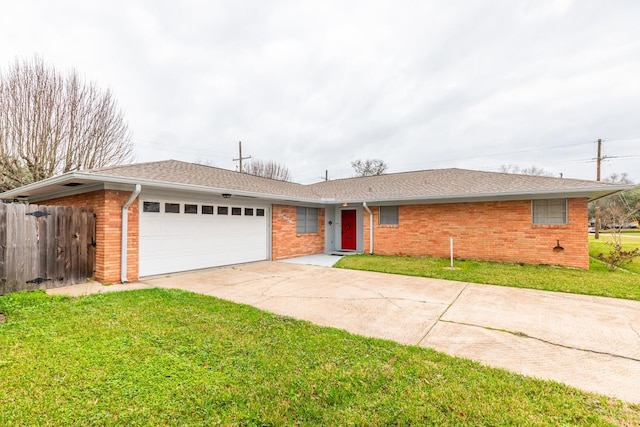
549,211
172,207
248,211
388,215
236,211
207,210
190,209
259,212
223,210
306,220
150,206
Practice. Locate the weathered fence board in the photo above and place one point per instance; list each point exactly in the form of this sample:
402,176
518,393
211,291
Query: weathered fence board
45,246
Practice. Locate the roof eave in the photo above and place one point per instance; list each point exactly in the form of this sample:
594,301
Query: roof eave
592,194
146,183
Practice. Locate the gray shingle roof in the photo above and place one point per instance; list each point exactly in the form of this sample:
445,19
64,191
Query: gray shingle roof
176,172
437,185
449,183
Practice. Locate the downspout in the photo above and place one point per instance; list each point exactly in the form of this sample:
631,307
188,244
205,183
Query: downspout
125,231
364,204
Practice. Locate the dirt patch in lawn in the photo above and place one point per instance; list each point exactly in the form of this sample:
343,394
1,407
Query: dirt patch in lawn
2,317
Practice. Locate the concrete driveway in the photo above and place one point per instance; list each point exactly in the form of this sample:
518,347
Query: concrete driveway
588,342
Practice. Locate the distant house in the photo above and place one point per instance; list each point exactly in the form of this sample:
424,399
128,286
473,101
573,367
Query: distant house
181,216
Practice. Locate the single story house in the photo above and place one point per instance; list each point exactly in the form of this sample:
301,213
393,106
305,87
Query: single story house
169,216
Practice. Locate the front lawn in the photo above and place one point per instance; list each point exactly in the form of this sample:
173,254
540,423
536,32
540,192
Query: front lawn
168,357
598,280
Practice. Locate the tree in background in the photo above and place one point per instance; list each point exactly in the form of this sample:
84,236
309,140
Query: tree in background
369,167
533,170
268,169
620,209
53,122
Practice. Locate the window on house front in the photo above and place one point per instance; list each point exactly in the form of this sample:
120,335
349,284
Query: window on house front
388,215
549,211
306,220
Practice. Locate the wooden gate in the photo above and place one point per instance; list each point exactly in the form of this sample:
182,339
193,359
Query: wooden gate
45,246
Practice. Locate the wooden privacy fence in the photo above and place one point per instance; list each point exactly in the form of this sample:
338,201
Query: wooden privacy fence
45,246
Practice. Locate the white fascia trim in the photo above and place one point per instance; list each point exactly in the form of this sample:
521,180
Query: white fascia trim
11,194
480,197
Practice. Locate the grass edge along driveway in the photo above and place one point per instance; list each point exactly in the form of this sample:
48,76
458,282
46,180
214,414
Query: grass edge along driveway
169,357
597,281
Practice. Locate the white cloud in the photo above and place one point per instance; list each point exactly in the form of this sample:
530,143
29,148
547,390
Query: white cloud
316,85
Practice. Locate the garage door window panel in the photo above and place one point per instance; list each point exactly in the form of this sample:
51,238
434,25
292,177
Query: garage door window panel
223,210
151,207
236,211
172,207
207,210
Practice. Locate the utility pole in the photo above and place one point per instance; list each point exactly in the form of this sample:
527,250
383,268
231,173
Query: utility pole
240,158
598,162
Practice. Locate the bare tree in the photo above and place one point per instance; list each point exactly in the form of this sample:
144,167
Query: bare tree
369,167
533,170
623,208
619,211
51,123
267,169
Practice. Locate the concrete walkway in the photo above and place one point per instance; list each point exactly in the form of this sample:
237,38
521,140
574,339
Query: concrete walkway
588,342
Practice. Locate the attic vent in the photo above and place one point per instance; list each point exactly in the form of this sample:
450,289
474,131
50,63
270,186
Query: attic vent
72,184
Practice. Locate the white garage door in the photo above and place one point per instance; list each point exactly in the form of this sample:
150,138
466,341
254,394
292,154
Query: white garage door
180,236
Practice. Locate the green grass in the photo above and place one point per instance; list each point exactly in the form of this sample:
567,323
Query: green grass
168,357
598,280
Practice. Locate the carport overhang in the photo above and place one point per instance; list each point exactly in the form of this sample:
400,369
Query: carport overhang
73,183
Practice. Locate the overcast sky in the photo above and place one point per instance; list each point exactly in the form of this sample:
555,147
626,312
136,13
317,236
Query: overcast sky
315,85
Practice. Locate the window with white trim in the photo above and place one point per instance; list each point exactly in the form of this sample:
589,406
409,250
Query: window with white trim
306,220
172,208
151,207
388,215
549,211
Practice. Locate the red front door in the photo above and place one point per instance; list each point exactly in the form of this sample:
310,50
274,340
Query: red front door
349,230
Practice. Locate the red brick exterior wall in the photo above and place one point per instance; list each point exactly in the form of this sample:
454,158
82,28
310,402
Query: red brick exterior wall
492,231
285,242
107,205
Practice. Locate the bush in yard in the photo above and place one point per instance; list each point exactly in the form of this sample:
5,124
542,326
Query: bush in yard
618,257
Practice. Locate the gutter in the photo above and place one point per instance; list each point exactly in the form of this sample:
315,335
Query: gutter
364,205
125,231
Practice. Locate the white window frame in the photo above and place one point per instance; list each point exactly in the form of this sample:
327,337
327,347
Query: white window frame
305,223
550,212
391,217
